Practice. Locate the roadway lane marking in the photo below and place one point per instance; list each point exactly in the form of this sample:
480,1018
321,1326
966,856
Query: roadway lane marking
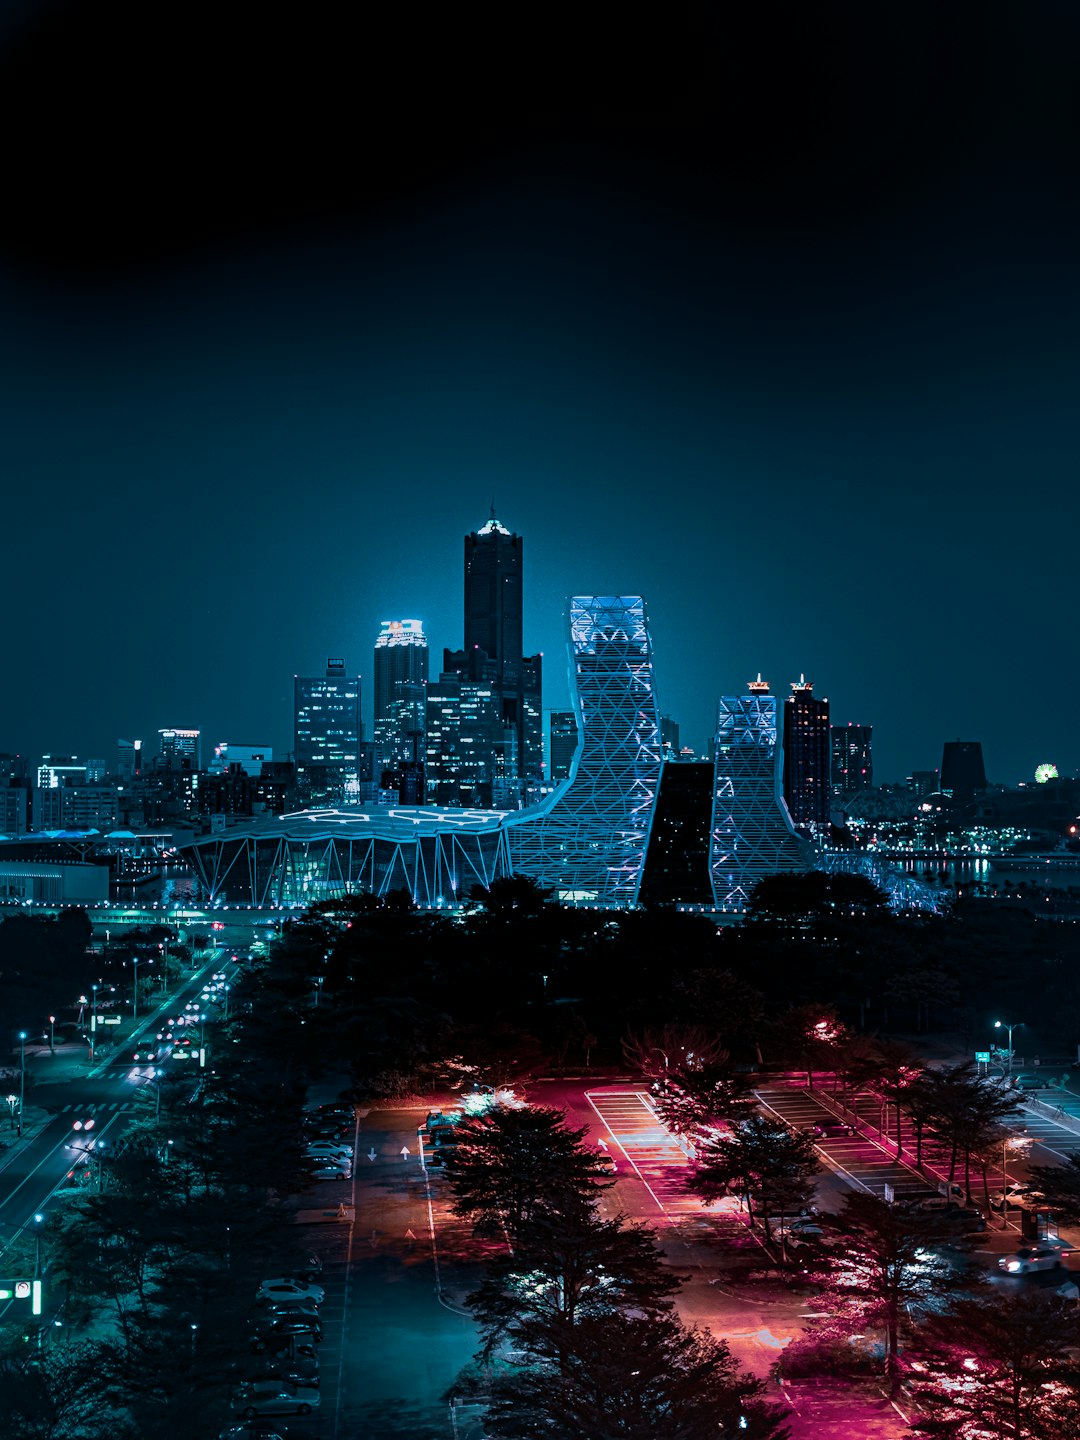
636,1095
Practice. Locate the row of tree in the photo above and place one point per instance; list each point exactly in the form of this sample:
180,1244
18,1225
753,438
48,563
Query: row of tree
580,1336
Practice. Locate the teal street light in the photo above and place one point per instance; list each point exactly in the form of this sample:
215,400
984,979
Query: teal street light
1004,1025
22,1076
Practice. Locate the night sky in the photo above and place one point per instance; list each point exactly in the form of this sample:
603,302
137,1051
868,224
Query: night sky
768,313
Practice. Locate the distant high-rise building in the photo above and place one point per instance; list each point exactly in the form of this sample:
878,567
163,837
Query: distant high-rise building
327,733
128,760
399,680
492,654
807,759
464,740
669,738
493,598
852,759
922,783
563,739
752,835
179,750
962,771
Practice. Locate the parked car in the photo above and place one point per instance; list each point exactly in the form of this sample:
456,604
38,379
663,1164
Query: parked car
276,1333
964,1218
284,1290
329,1171
274,1397
255,1430
309,1268
1047,1255
832,1129
304,1310
329,1147
291,1373
1016,1196
1031,1081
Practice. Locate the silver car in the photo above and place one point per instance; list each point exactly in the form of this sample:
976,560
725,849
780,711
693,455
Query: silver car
1045,1256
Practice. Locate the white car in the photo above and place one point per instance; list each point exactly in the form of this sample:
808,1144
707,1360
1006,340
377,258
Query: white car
328,1148
1047,1255
283,1291
331,1171
1018,1195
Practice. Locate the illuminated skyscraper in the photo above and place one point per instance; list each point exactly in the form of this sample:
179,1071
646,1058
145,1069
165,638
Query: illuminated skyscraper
492,656
327,733
400,685
588,841
180,750
752,834
807,758
852,759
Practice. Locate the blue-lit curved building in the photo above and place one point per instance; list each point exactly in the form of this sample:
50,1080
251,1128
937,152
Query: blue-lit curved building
586,841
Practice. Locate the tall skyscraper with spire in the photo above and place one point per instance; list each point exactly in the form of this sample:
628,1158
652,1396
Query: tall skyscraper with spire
506,756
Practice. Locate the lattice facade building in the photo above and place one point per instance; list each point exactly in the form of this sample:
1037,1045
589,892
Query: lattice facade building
587,842
752,835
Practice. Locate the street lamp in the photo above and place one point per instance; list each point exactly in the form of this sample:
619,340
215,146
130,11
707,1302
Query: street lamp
1003,1025
22,1076
135,990
93,1020
12,1101
52,1034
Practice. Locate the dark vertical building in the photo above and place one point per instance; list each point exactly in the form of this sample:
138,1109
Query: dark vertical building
492,658
962,772
493,598
807,757
852,760
676,868
669,738
327,734
563,736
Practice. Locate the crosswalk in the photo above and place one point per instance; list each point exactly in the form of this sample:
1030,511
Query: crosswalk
108,1107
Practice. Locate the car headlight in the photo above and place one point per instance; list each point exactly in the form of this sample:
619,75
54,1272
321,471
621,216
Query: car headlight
1013,1265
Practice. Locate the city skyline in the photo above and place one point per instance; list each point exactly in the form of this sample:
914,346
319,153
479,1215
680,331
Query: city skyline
785,346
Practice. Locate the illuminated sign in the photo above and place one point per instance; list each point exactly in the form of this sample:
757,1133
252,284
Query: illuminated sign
983,1057
22,1290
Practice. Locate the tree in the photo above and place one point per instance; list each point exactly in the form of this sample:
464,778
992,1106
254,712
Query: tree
809,1036
508,1164
770,1166
512,893
885,1270
968,1117
673,1050
700,1098
889,1067
799,902
566,1266
629,1377
60,1394
1005,1368
1060,1184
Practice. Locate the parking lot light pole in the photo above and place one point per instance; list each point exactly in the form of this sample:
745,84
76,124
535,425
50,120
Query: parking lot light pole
135,991
1003,1025
22,1076
52,1034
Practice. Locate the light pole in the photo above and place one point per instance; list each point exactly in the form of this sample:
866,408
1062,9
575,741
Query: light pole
135,991
93,1021
52,1034
22,1076
194,1334
1003,1025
